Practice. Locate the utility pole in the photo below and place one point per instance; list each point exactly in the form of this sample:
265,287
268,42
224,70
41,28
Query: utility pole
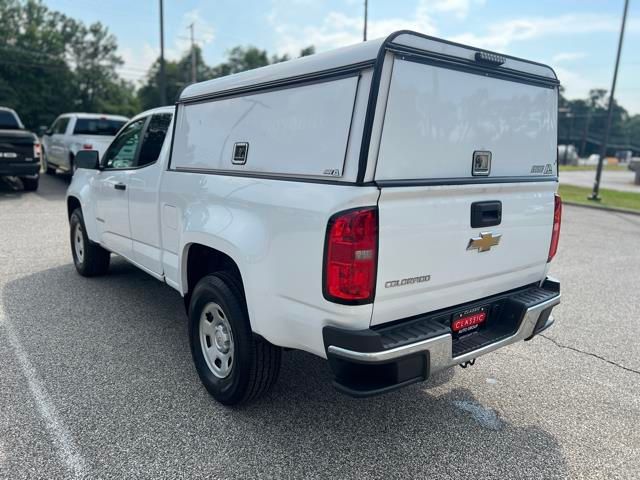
193,55
603,148
163,77
366,8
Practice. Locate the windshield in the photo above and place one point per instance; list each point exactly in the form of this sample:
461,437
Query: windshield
8,121
97,126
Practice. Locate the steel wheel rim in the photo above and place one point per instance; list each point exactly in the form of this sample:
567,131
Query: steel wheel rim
78,243
216,340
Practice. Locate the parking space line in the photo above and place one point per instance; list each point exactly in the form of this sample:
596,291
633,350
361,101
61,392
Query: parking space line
66,448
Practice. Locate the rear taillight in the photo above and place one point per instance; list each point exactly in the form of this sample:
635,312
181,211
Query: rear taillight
36,150
555,233
351,253
87,146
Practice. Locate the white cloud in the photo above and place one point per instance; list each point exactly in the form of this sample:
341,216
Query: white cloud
137,62
501,35
459,8
337,29
567,56
576,85
204,32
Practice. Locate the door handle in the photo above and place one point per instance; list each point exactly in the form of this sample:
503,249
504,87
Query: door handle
119,186
486,214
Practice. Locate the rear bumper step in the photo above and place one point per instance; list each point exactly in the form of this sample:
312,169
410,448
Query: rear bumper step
373,361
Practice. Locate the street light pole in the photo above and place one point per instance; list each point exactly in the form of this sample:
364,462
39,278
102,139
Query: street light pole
603,148
366,8
163,78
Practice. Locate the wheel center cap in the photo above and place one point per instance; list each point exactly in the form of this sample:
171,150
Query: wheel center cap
223,342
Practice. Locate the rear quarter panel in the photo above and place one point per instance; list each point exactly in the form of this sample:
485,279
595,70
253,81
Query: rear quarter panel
275,232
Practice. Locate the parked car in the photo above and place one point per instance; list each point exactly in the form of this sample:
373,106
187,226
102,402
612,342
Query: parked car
73,132
381,206
19,150
567,155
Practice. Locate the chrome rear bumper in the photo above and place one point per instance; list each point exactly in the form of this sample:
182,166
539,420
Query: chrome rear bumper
373,361
440,348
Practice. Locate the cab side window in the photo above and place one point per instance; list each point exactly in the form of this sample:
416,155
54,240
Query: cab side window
122,151
154,138
60,126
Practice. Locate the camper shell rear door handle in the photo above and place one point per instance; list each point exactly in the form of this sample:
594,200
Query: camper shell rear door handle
486,214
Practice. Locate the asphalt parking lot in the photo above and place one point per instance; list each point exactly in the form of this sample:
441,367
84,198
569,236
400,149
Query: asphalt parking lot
96,379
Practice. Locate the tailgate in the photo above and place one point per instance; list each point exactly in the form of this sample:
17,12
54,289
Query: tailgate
452,139
424,260
16,146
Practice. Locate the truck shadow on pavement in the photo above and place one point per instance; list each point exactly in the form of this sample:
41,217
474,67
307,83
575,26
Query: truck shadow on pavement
51,188
113,354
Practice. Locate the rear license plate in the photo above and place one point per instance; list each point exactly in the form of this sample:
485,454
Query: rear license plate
468,321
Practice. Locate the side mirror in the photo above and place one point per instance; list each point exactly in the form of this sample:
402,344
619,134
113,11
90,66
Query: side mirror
88,159
43,130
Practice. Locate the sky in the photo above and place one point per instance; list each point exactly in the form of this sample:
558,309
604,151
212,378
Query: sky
578,38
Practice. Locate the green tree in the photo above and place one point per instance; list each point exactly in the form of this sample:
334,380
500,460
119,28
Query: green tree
93,52
35,79
51,64
178,74
582,123
149,93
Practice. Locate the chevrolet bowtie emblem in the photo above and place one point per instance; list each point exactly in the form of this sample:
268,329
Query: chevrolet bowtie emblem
484,242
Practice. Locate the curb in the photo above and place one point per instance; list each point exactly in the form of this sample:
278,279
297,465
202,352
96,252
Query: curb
607,209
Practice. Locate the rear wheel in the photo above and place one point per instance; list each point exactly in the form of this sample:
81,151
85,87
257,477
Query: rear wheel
234,365
30,184
89,258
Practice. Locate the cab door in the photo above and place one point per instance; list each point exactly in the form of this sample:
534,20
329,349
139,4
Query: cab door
143,190
111,189
54,143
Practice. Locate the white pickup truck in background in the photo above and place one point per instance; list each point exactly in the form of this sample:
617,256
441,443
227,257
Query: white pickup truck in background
73,132
389,206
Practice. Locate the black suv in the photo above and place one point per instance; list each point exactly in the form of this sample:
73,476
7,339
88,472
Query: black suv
19,150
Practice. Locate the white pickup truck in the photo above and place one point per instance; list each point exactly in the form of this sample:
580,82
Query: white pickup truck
389,206
73,132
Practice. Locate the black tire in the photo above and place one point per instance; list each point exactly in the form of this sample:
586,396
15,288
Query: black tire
256,362
92,260
30,184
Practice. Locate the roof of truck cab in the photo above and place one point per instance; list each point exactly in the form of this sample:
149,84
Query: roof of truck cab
94,115
152,111
353,55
